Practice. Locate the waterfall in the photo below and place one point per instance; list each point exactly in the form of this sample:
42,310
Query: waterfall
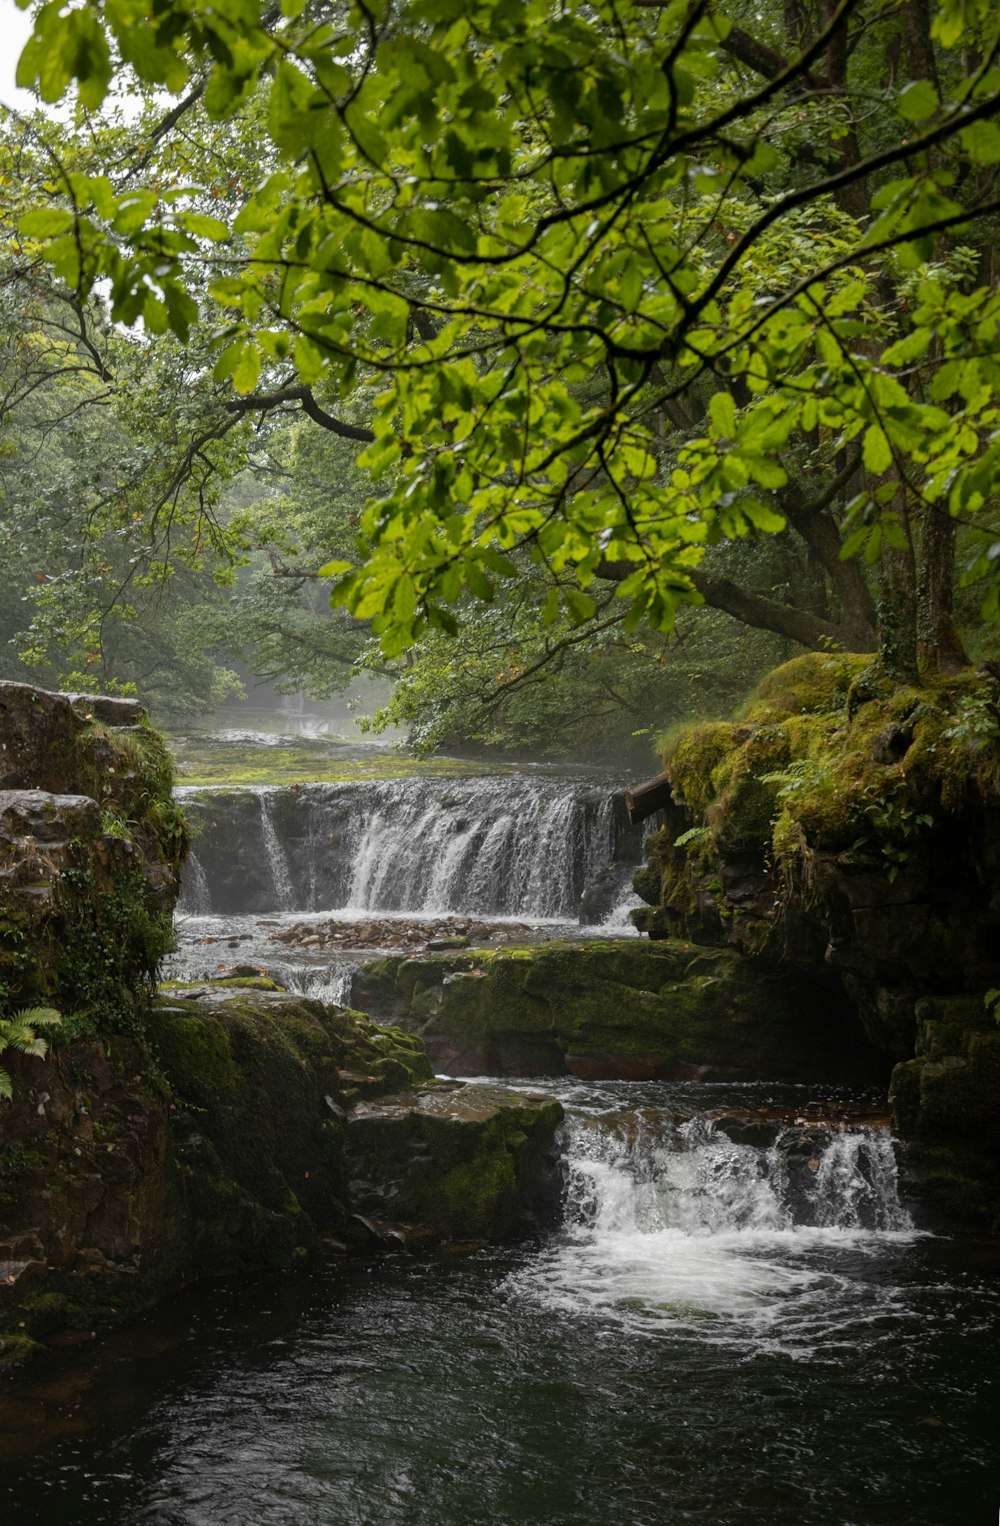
277,858
507,845
197,891
647,1173
672,1223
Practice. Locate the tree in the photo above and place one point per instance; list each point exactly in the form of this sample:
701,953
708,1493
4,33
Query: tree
544,239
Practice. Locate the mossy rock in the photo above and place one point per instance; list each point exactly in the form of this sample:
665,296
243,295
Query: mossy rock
476,1163
262,1082
622,1008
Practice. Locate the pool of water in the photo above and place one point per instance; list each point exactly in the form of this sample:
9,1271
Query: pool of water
690,1346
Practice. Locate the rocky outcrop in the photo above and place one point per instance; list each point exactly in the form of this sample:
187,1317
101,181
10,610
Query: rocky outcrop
91,846
617,1008
257,1129
848,830
211,1129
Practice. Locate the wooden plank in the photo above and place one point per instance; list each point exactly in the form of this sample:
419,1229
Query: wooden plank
645,799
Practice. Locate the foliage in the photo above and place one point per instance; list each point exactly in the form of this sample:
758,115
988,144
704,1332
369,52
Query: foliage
20,1031
531,230
512,683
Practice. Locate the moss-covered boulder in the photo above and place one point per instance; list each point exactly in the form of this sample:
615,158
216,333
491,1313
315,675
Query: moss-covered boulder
261,1084
476,1162
616,1008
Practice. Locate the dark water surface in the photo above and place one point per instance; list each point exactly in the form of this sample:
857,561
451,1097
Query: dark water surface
705,1362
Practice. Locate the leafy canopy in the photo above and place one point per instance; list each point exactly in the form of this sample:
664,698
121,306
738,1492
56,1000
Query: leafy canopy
526,228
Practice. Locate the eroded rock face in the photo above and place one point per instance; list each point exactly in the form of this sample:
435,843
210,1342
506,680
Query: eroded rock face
92,1220
617,1009
269,1128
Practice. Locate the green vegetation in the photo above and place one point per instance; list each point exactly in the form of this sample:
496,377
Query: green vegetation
828,754
20,1032
630,310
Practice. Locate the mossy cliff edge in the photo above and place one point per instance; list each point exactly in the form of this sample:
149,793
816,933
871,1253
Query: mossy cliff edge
848,829
205,1130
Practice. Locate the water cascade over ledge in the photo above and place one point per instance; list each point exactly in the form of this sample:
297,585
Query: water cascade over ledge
673,1221
501,845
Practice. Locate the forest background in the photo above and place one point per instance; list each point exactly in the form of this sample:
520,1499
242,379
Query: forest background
597,357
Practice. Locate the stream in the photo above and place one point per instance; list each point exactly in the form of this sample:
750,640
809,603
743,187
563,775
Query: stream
727,1329
739,1320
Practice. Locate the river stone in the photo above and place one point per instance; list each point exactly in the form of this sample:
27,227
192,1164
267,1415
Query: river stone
479,1162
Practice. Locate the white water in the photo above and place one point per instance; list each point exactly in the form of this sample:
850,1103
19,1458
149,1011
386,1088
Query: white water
277,858
514,845
678,1228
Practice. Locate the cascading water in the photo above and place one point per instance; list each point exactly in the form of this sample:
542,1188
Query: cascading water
507,845
281,874
679,1225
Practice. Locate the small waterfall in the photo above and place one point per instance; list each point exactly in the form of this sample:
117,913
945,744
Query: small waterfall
646,1173
330,985
671,1223
276,856
196,889
509,845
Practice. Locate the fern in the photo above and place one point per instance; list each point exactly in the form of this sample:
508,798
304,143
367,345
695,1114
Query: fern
20,1032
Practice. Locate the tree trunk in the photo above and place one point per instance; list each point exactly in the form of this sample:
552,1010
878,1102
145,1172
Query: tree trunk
897,599
939,646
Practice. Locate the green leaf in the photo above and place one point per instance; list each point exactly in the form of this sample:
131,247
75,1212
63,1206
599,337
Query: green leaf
246,371
911,347
478,582
722,411
630,286
45,222
877,452
981,142
202,226
580,605
918,101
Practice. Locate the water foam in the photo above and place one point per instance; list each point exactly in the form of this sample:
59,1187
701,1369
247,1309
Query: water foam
676,1227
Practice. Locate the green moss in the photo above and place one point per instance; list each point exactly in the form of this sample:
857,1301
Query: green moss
693,759
15,1350
830,754
808,685
201,763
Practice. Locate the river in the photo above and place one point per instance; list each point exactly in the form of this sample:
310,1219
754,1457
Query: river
742,1318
